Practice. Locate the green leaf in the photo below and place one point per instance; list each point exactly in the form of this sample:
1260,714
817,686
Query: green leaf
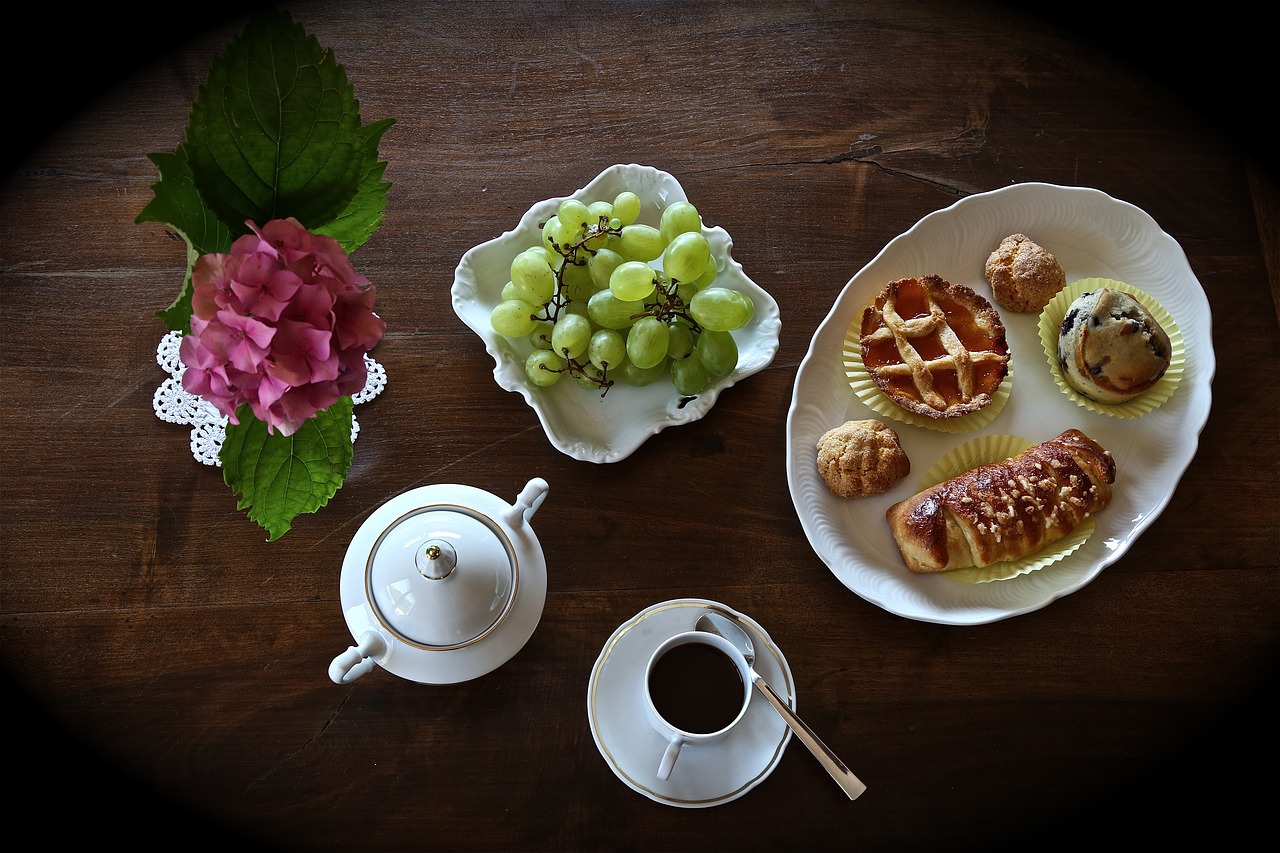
355,225
177,204
275,130
277,476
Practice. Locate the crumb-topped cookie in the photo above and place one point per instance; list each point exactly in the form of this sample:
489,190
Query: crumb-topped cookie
1023,275
860,458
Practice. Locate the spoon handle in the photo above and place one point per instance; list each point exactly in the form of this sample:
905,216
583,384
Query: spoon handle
851,784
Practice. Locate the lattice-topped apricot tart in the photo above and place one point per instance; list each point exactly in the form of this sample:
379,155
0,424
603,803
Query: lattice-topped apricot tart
934,348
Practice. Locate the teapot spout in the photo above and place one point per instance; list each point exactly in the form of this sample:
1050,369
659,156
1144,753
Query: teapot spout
527,502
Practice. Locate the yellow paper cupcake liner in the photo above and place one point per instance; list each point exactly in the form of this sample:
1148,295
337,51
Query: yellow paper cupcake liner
985,450
866,390
1051,324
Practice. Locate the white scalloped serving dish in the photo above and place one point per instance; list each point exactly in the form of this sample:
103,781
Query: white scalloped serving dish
578,421
1092,235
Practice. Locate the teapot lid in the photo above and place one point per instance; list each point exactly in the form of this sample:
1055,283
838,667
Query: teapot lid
442,576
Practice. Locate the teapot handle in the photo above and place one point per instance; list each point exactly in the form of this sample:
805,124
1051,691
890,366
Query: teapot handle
527,502
357,660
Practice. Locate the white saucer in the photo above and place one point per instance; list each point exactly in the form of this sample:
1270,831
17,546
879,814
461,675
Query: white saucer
706,775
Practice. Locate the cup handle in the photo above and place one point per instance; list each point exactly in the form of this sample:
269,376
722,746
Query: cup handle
669,757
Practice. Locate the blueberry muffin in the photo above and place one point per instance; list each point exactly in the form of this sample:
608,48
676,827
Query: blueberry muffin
1110,348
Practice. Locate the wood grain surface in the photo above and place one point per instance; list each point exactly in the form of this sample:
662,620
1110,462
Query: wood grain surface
167,666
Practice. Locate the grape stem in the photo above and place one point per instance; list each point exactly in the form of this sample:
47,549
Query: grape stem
578,370
570,253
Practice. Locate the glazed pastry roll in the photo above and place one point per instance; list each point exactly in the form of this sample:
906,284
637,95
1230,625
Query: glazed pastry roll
1006,510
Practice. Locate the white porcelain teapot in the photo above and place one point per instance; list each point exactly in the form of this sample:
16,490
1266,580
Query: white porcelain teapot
442,584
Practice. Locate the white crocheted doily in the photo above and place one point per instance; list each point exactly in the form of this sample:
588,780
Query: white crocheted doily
176,405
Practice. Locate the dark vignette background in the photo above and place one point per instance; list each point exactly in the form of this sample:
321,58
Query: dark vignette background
1216,56
55,63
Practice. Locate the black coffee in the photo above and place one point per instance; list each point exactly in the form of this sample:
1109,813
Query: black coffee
696,687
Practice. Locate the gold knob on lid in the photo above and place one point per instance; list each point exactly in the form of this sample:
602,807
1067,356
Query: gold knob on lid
437,560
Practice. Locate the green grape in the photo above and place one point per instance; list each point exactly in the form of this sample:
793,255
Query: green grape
574,216
639,377
679,339
540,337
690,376
608,349
609,311
550,233
718,352
555,233
552,257
598,210
571,335
647,341
626,207
598,240
721,309
640,243
679,217
632,281
592,377
509,292
709,274
613,241
543,367
685,291
578,284
513,318
533,278
685,257
601,265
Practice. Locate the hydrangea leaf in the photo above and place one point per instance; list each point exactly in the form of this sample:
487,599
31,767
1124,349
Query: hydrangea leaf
279,477
275,130
177,204
355,225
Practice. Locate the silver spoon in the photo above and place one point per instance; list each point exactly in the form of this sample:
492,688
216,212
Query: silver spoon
715,623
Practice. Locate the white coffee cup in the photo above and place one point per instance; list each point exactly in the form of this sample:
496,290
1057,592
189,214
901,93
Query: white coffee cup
697,687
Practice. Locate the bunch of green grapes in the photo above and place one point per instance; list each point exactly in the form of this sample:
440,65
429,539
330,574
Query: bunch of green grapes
604,299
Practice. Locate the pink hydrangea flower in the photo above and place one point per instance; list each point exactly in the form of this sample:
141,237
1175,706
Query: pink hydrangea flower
281,323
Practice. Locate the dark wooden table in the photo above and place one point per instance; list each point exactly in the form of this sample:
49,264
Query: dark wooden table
168,665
